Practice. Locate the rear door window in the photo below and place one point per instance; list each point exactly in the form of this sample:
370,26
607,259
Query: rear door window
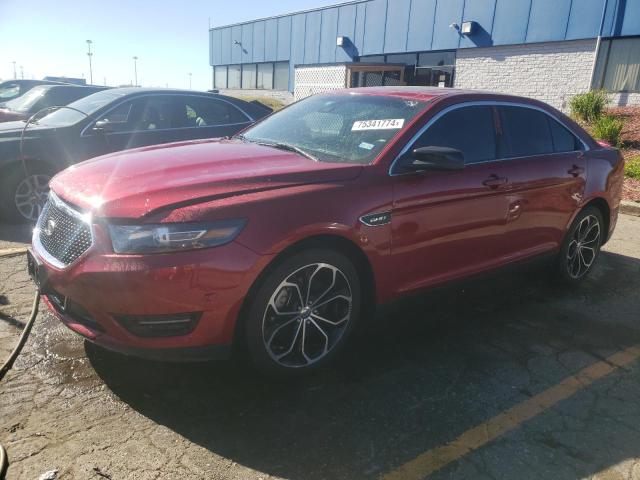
204,112
468,129
563,139
524,132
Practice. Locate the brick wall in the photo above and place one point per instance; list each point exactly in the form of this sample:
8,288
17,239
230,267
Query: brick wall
551,72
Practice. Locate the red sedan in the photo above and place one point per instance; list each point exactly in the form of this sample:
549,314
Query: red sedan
283,237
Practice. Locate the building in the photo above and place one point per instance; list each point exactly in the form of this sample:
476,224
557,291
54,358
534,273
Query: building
546,49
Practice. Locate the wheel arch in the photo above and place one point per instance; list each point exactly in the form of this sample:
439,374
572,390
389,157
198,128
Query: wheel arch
327,241
601,204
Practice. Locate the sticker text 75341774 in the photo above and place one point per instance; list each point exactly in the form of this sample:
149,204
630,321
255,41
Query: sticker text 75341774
384,124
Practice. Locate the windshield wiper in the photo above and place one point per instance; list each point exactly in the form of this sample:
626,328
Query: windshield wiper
287,147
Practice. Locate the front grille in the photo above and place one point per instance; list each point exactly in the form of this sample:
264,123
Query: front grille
62,232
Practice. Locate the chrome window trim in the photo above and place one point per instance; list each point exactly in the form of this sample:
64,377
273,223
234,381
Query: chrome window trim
249,117
475,103
39,248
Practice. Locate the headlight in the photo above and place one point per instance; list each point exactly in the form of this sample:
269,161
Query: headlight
173,236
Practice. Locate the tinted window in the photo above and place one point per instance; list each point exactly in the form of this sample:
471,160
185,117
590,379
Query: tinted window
202,112
525,132
563,139
468,129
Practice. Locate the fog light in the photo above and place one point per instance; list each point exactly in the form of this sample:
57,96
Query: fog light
172,325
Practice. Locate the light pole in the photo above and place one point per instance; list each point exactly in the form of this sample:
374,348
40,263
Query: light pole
135,70
21,72
189,81
15,76
89,54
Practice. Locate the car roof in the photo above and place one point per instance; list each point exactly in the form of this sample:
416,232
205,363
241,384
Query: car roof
431,93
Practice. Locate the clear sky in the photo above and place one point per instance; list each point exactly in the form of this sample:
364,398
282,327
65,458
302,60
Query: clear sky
170,38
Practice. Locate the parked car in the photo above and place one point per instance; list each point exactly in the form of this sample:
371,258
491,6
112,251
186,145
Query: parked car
105,122
42,97
11,89
283,237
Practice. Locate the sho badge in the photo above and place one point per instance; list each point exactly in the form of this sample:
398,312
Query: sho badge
376,219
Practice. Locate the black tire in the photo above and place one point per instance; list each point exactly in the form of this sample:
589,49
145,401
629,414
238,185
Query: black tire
581,246
10,180
268,333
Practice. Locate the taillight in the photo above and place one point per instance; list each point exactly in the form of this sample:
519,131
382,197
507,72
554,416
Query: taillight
602,143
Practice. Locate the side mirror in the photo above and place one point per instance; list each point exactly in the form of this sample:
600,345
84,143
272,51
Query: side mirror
102,126
435,158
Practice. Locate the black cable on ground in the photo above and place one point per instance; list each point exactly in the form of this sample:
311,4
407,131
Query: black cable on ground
6,366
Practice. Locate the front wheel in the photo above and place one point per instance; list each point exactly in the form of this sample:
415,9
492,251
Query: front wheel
581,246
303,312
23,196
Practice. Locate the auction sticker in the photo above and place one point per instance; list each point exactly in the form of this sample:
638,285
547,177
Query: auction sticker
386,124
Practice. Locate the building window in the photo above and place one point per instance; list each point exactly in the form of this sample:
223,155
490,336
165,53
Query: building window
425,69
220,77
618,66
281,76
265,76
249,76
235,74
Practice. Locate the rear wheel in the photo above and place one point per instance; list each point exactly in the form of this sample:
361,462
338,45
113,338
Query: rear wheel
303,312
23,196
581,246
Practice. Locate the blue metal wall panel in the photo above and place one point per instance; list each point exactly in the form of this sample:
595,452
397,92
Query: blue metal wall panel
421,18
236,50
395,26
346,28
510,22
225,48
328,35
215,47
447,12
271,40
631,18
247,43
548,20
258,42
374,27
285,38
395,38
312,37
584,19
361,17
481,12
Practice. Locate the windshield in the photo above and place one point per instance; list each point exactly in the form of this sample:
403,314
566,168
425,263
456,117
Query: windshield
88,105
350,128
24,102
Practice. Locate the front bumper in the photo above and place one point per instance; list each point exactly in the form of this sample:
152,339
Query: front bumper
104,286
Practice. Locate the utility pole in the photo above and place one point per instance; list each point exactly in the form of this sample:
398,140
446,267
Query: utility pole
135,70
189,81
15,76
89,54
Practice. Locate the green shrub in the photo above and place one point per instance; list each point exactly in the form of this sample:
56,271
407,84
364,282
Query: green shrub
588,107
632,167
608,128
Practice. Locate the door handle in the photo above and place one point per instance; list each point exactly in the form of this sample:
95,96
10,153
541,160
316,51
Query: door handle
575,170
494,181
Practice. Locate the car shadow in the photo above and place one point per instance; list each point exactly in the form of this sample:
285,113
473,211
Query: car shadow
423,371
13,235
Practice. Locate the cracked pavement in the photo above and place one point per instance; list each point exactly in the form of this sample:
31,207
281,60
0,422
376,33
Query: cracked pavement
421,373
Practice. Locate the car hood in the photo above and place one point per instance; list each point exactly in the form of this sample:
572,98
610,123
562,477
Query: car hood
133,183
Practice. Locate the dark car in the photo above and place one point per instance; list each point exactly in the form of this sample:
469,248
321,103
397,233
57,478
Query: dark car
42,97
11,89
104,122
284,237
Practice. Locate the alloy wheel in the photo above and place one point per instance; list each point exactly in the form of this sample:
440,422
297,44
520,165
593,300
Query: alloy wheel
307,315
31,195
583,246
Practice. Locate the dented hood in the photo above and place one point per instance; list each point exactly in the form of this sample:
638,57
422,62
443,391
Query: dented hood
133,183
